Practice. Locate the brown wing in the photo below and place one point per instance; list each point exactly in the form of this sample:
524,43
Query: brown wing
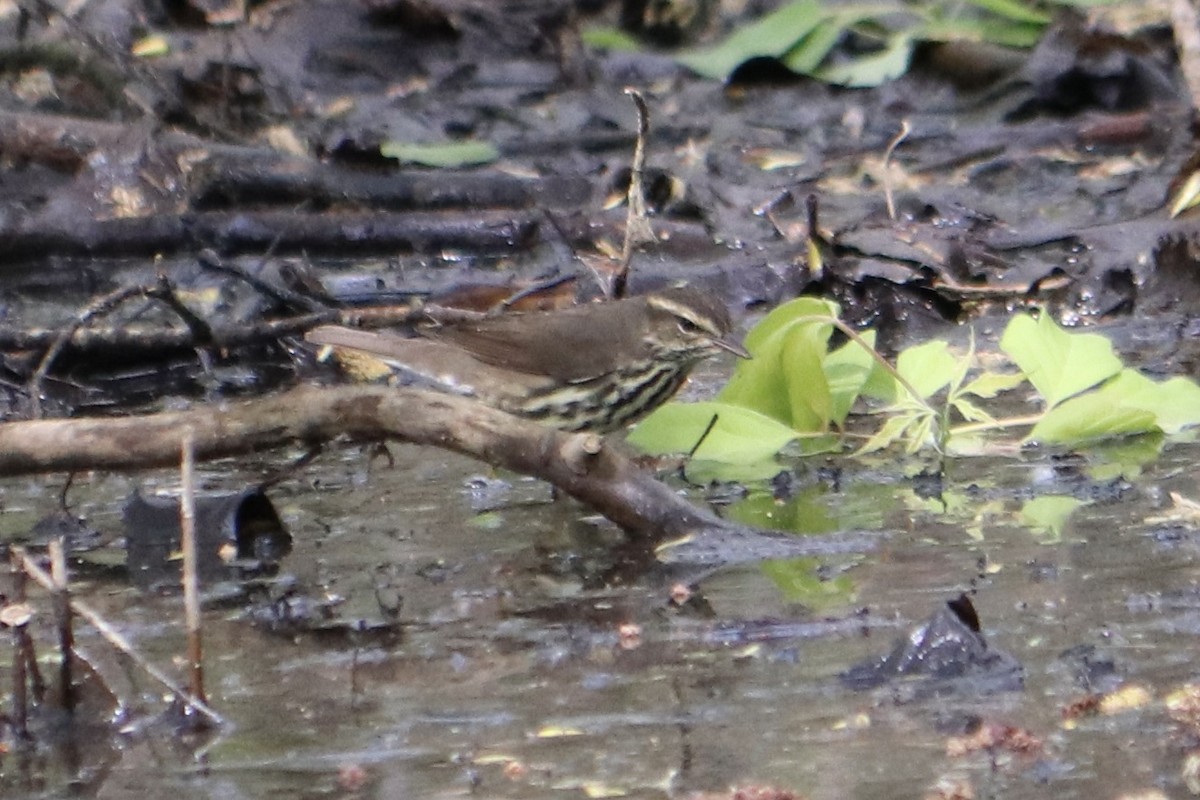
573,345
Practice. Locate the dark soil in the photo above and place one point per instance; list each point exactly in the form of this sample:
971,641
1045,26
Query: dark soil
436,631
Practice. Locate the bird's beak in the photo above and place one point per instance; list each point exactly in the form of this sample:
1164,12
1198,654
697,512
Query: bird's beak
729,345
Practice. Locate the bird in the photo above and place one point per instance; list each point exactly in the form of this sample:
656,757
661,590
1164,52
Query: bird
595,367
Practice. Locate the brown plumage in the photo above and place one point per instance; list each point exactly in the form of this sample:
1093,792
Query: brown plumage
590,367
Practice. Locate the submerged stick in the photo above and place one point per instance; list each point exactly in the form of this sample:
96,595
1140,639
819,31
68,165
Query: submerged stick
20,696
191,590
62,613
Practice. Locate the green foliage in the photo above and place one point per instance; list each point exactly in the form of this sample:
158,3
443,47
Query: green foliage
799,581
740,434
441,154
1049,514
1057,363
803,34
796,391
773,35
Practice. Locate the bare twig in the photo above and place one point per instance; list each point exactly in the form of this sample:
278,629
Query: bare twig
20,685
164,292
637,226
209,260
66,489
191,587
130,340
813,238
62,613
161,291
115,637
900,136
98,307
533,289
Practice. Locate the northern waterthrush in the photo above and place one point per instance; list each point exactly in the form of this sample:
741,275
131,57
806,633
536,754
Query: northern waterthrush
595,367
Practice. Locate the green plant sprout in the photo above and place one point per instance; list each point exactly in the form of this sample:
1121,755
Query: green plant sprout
803,34
797,391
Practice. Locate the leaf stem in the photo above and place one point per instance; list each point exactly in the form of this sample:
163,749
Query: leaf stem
854,336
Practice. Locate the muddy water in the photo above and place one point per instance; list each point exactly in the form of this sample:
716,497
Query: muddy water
511,675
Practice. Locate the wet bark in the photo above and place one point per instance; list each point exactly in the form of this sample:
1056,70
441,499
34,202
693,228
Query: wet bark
586,467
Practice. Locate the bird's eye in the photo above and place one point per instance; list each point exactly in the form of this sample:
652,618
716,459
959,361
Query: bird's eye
687,326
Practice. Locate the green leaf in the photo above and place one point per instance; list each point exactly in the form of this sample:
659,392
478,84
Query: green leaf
1058,364
1128,404
1049,514
1090,418
921,433
773,35
892,430
810,51
1175,403
808,390
606,38
704,469
881,385
994,30
441,154
847,370
784,317
971,412
874,69
740,436
928,367
806,513
989,384
1014,10
1124,457
799,580
784,380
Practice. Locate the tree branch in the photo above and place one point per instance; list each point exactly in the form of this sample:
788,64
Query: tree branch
584,466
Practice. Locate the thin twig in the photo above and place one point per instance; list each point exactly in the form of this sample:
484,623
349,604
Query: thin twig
209,260
854,336
637,227
62,496
813,239
62,613
997,424
191,590
900,136
712,423
164,292
528,291
98,307
288,471
115,637
161,290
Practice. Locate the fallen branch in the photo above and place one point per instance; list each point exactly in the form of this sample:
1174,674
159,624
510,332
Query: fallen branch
257,230
583,466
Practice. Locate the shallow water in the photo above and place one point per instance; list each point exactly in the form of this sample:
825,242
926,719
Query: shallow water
511,675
